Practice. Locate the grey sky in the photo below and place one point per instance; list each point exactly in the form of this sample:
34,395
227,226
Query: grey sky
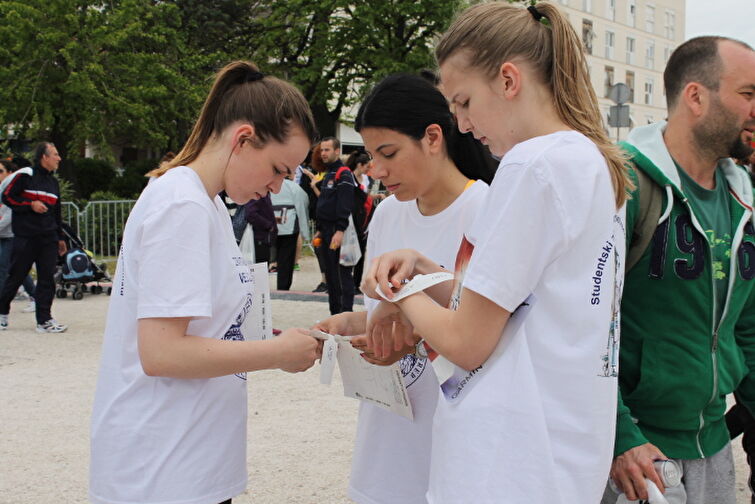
730,18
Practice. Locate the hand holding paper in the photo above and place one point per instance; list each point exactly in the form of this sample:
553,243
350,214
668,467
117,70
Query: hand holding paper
389,271
388,330
298,351
379,385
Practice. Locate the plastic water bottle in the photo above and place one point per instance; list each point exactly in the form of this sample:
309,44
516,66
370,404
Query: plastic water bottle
670,474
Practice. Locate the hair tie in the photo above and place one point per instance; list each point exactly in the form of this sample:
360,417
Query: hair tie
253,75
535,13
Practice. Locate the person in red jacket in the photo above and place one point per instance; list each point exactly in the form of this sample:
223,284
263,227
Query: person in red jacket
38,239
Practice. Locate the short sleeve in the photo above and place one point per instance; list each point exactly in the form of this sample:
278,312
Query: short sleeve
518,233
174,263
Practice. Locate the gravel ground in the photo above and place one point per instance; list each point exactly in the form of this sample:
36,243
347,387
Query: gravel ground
300,432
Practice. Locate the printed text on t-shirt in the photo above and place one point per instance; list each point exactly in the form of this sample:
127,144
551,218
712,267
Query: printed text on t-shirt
598,277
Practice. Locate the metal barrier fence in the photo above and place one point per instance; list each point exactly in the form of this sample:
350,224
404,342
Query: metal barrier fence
99,225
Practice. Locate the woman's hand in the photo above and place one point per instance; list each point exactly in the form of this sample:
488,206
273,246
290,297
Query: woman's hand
360,343
388,330
389,271
345,324
297,350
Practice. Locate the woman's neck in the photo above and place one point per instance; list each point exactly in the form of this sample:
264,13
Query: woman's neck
210,166
447,186
539,115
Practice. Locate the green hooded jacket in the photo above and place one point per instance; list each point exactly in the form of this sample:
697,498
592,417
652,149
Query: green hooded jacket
676,363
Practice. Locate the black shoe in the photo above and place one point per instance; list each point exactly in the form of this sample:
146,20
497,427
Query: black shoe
321,288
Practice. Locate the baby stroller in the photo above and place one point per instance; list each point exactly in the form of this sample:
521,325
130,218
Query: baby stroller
77,271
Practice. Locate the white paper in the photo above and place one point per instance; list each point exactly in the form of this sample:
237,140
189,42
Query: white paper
328,360
258,324
416,284
379,385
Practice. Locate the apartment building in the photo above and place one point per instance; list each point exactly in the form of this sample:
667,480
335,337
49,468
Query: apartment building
628,41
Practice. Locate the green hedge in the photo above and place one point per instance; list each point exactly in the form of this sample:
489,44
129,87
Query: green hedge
95,177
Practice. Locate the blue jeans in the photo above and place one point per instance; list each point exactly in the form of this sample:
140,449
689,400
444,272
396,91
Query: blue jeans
6,250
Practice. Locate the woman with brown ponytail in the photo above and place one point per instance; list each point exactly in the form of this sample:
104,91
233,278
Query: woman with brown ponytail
170,415
528,404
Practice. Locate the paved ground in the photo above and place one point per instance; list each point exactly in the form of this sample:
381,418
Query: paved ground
300,432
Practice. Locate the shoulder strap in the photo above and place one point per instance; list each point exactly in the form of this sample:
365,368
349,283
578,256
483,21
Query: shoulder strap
340,171
650,208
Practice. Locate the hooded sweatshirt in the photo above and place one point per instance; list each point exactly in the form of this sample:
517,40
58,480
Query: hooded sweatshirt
679,358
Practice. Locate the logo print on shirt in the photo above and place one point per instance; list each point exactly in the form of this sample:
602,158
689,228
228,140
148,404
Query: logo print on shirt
412,368
234,333
610,359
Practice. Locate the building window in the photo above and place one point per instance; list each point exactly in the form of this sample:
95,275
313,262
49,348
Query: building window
669,26
650,55
587,35
666,54
649,91
587,5
611,9
650,18
630,84
631,13
610,43
630,51
609,80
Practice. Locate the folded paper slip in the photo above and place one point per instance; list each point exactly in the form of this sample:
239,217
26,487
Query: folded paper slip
379,385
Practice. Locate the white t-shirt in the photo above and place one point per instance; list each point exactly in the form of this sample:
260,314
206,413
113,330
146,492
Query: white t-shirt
168,440
391,460
538,426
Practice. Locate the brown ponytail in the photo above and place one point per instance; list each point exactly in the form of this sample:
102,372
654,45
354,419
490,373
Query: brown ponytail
494,33
241,93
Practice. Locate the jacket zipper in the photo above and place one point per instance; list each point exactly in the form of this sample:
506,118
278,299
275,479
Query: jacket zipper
713,330
715,327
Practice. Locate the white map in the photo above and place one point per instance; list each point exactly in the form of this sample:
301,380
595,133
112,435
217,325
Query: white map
379,385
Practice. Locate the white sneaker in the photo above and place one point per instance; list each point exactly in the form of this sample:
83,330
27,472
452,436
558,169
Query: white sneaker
51,326
3,322
31,307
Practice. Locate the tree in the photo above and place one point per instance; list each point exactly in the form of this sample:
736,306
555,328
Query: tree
135,72
98,72
333,48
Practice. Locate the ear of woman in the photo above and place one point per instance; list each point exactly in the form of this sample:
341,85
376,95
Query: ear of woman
510,79
434,138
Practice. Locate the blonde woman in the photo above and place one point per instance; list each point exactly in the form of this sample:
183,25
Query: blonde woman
534,423
169,419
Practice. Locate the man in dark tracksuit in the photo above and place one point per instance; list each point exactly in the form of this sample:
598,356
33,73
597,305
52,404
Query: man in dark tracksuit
35,201
334,206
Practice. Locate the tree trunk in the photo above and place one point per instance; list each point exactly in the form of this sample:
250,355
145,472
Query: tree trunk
326,123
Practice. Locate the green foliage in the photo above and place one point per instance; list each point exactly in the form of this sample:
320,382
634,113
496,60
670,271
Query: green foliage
131,182
334,49
134,72
66,189
76,71
92,175
105,196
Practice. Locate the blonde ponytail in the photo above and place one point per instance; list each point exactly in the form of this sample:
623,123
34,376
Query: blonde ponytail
241,93
493,33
